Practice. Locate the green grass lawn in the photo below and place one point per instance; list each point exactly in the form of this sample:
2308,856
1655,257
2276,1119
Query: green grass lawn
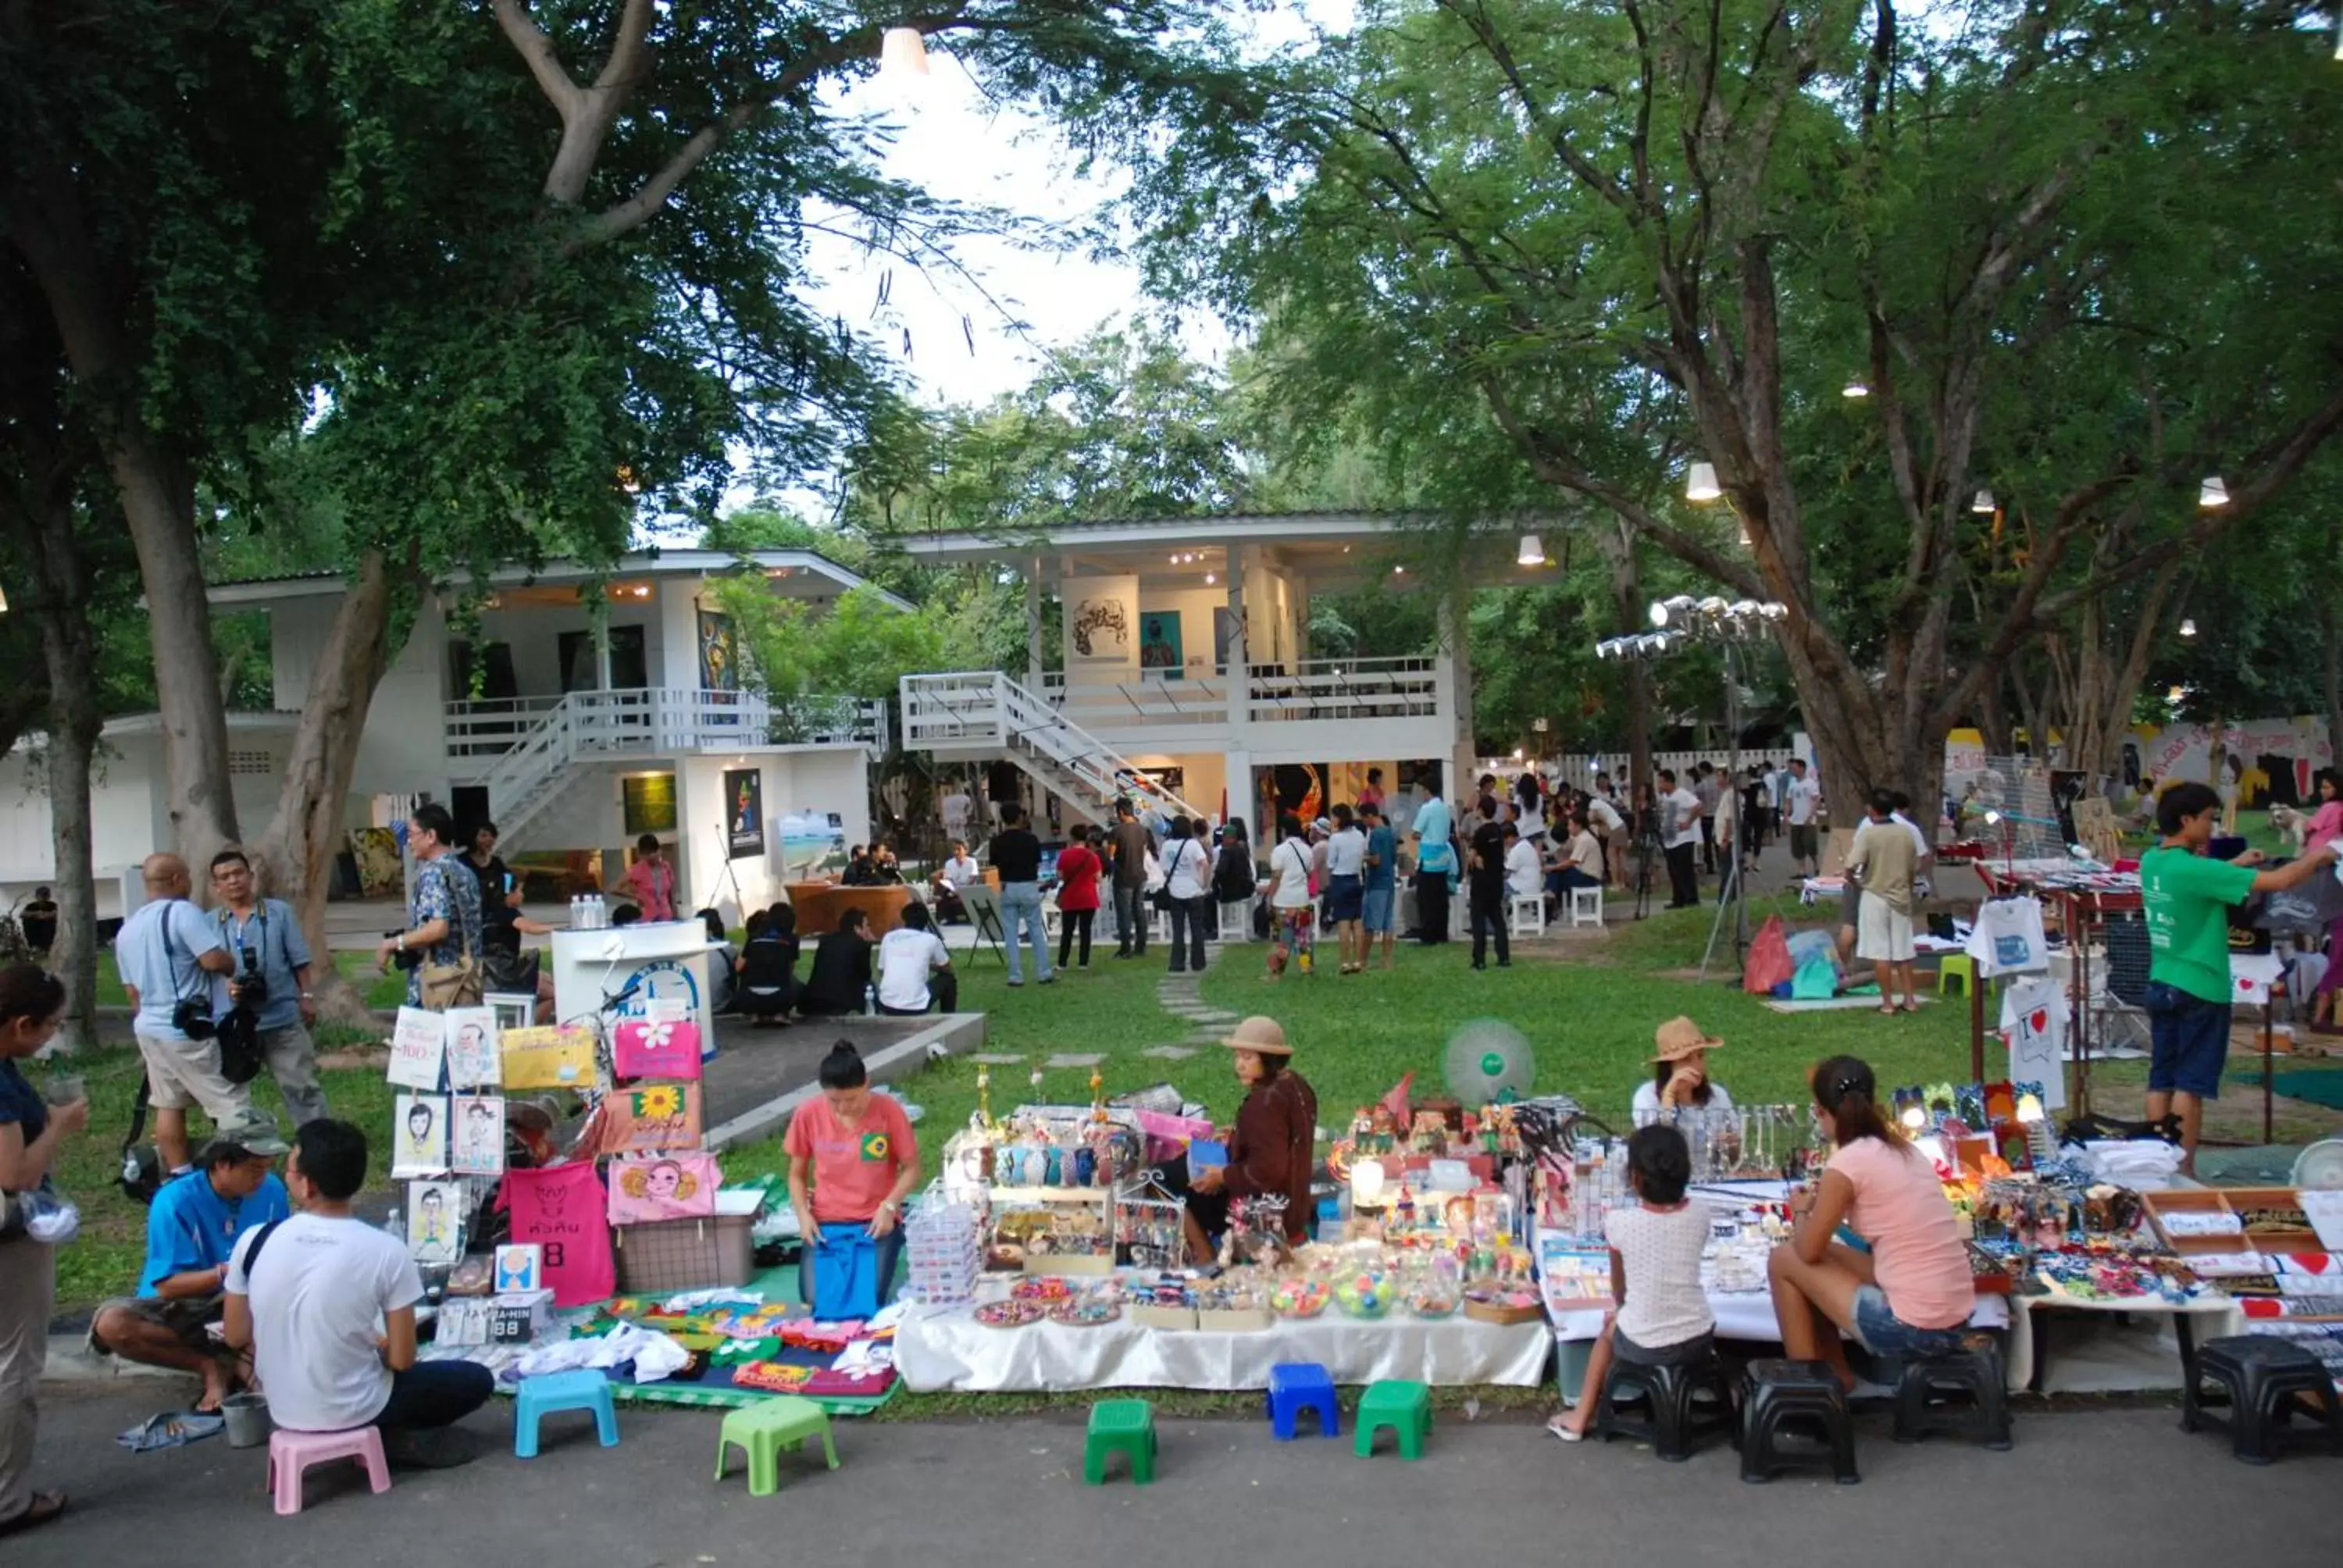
359,969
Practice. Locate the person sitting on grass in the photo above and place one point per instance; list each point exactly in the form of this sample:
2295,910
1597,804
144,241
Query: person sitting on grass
193,1223
1911,1294
840,980
1661,1318
327,1302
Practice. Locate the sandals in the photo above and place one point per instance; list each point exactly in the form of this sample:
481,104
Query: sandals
44,1507
1559,1424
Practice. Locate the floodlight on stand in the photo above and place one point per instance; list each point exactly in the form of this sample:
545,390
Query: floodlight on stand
2212,494
903,53
1772,610
1659,612
1983,505
2188,628
1744,608
1700,483
1712,606
1533,551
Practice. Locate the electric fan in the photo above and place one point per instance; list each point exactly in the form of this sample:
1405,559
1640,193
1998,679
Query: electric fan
1489,1061
2320,1166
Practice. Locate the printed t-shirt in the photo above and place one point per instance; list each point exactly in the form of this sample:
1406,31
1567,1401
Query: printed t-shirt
2187,899
853,1170
319,1296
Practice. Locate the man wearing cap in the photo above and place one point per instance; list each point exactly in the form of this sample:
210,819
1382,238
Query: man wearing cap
1680,1079
191,1228
1271,1145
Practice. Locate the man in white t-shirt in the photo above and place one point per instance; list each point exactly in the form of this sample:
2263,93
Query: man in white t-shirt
326,1304
1524,873
958,872
1679,810
915,971
1801,801
1611,832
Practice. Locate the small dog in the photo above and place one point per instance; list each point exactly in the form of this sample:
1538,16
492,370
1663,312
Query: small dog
2291,826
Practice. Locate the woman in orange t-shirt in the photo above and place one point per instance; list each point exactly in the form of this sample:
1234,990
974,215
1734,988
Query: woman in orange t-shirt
863,1161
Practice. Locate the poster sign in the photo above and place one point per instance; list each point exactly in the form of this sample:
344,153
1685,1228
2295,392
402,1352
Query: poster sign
1160,649
420,1143
649,799
744,812
719,657
419,1047
556,1057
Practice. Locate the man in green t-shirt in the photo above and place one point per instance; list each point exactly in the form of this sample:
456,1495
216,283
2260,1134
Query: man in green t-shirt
2185,898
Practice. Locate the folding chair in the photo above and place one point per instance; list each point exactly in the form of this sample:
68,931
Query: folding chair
983,906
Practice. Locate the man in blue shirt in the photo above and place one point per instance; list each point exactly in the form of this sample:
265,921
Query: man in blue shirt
1382,878
170,954
192,1226
1435,862
264,940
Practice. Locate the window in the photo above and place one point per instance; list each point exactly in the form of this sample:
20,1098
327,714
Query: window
496,680
630,664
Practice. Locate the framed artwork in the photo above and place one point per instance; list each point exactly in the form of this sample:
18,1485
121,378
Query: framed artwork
519,1268
744,812
435,1221
511,1010
1159,644
420,1136
649,799
478,1131
419,1047
1100,629
471,1047
720,654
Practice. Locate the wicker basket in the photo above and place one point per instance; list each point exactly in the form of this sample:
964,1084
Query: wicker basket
667,1255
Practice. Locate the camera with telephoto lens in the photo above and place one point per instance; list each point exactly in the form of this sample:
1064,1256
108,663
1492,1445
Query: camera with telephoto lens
250,987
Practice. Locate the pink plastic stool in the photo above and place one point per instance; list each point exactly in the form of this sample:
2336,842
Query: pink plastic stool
291,1454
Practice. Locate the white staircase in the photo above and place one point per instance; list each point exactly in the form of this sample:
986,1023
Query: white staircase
984,713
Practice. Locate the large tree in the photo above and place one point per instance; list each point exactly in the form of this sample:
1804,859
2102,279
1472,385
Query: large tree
2079,256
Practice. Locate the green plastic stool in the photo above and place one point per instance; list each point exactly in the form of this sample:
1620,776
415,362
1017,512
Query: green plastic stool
764,1429
1406,1407
1955,965
1124,1424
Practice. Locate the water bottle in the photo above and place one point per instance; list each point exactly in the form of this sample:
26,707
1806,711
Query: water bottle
871,1002
394,1225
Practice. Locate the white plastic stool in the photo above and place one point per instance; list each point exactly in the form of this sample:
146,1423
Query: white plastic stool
1585,907
1526,915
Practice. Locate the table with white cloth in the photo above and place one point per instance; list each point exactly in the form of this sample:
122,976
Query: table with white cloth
946,1348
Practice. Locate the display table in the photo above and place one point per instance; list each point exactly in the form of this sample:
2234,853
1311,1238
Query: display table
940,1348
663,960
818,905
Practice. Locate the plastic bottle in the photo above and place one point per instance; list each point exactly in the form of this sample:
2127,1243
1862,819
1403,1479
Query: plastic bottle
394,1225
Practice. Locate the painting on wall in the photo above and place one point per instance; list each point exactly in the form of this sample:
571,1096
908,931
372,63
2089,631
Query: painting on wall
649,803
719,653
1159,644
744,812
1224,638
1099,631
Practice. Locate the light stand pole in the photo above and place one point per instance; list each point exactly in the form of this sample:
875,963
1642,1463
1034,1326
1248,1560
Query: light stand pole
1680,622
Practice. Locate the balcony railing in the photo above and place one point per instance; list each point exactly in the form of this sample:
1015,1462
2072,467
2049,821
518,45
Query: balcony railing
661,720
1325,689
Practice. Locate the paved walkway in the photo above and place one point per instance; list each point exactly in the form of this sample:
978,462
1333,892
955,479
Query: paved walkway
2102,1487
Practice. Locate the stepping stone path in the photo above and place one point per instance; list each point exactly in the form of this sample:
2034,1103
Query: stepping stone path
997,1059
1071,1058
1182,996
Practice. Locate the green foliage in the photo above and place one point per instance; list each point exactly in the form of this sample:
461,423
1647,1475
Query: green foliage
801,661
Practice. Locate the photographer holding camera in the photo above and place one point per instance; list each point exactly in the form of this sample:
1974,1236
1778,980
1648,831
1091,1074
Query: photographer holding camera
168,952
270,981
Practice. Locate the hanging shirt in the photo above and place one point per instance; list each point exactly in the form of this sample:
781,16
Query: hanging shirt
564,1211
2008,939
2033,1027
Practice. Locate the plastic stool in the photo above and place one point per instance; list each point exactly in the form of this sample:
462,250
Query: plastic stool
1675,1416
1119,1425
1955,966
1922,1412
1297,1386
1526,915
539,1397
1585,907
291,1454
2262,1375
762,1430
1774,1394
1404,1406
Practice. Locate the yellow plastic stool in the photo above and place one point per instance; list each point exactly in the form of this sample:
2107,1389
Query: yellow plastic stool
1955,965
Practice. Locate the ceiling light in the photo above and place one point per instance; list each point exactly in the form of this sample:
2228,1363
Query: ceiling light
1984,504
2212,494
2188,628
1855,389
1700,483
1210,577
1533,551
1398,571
903,53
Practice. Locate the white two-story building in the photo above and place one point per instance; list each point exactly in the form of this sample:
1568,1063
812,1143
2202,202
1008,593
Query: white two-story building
573,744
1185,659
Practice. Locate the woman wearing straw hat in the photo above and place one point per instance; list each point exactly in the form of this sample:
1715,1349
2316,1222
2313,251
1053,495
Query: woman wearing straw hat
1679,1074
1269,1149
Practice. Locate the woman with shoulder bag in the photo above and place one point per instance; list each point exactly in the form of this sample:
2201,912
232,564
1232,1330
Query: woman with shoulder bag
30,1134
440,948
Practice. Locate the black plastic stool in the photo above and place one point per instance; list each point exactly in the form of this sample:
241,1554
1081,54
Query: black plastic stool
1674,1415
1955,1393
2262,1374
1777,1394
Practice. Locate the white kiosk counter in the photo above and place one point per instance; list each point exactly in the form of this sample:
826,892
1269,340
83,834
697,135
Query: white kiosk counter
661,960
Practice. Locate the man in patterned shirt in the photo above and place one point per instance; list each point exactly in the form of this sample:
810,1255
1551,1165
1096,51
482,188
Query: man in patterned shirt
443,903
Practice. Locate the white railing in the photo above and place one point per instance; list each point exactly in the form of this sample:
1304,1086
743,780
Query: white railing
1152,701
493,725
655,720
1345,688
988,710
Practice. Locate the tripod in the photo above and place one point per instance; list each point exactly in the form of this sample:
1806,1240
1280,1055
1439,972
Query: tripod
1647,850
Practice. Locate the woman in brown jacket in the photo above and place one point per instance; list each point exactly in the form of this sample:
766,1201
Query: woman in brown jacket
1271,1149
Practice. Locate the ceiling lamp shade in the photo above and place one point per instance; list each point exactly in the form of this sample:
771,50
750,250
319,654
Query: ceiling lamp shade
2212,494
903,53
1700,483
2188,628
1533,551
1984,503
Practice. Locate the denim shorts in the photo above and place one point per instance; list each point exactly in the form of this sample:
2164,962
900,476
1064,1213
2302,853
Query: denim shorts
1375,908
1344,898
2189,1041
1884,1333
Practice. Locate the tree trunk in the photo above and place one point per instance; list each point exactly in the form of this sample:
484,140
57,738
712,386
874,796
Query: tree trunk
69,652
1616,540
2331,649
296,855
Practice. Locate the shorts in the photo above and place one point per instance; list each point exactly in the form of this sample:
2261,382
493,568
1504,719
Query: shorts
2189,1042
1375,909
183,1072
1884,932
1803,841
1884,1333
188,1318
1345,899
1684,1352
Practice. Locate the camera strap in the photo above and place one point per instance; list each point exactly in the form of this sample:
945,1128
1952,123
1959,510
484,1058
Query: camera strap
171,954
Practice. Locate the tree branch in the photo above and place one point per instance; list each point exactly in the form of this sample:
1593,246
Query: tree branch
537,50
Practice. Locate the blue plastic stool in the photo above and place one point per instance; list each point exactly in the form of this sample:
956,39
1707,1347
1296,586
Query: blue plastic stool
1297,1386
539,1396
